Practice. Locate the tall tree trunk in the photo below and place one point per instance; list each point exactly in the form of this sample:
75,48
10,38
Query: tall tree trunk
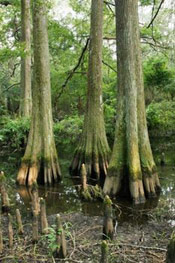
131,166
93,149
26,93
40,156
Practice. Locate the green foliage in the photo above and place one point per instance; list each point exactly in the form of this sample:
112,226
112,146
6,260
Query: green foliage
50,238
146,2
161,115
157,73
68,131
14,132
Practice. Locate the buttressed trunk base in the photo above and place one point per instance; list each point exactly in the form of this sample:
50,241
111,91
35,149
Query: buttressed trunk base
132,165
40,161
93,149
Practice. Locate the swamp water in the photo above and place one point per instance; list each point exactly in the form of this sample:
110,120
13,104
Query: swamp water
63,197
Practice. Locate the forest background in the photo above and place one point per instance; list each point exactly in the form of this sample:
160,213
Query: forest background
68,29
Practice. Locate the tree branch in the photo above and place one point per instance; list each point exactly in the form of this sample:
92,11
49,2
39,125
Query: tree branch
109,66
109,6
14,69
109,3
71,73
157,12
11,86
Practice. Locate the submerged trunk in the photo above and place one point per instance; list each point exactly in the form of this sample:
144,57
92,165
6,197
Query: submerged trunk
93,149
131,166
26,92
40,156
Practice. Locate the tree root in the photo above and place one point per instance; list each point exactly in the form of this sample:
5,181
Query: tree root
112,185
94,169
91,193
151,185
137,192
22,174
28,175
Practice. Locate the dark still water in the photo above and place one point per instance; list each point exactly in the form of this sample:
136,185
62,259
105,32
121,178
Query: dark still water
63,197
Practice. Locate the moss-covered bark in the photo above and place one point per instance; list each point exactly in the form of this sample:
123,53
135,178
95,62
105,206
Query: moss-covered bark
40,156
93,149
26,92
132,166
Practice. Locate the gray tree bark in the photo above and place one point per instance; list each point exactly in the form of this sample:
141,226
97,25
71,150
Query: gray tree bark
93,149
132,165
26,92
40,160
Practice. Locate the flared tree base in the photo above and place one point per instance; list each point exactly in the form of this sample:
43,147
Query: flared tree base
30,174
139,189
96,168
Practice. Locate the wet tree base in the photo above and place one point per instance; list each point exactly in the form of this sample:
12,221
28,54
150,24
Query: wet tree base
90,193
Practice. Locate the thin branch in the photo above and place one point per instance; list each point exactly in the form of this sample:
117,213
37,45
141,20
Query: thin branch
109,66
71,73
14,69
155,45
11,86
109,38
110,8
157,12
109,3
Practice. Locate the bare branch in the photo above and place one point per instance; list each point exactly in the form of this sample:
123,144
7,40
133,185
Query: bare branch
157,12
11,86
109,3
14,69
71,73
109,66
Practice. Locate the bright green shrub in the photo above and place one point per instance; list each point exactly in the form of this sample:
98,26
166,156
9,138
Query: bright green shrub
14,132
161,116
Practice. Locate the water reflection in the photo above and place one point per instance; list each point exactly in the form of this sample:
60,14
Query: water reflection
63,197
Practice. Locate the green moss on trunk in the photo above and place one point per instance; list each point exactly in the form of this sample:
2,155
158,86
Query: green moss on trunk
93,149
132,161
40,158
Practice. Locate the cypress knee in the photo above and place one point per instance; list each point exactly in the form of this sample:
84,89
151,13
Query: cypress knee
1,237
61,250
19,222
44,222
108,227
104,252
170,256
10,231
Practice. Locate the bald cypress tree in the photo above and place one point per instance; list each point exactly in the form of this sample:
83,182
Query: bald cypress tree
132,168
26,91
40,160
93,149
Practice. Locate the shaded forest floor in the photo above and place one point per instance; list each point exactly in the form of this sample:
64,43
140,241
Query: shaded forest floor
142,239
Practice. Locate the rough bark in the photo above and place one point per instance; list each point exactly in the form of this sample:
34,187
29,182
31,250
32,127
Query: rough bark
1,236
93,149
19,222
40,156
61,250
108,227
35,228
170,256
104,252
44,222
10,231
26,92
132,168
